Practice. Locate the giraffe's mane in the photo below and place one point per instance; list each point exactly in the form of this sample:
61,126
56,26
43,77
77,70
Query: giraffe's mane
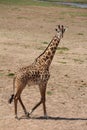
45,49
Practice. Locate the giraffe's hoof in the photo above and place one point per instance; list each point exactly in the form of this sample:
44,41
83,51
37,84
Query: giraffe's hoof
16,117
46,117
27,114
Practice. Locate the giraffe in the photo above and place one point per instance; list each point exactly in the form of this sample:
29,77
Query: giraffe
36,74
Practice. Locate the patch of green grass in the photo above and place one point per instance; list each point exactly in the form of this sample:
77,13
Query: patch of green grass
74,14
39,2
1,74
10,1
49,92
62,62
16,8
61,52
41,48
83,86
78,60
80,34
63,48
25,2
82,14
61,18
26,46
45,42
78,14
20,17
11,74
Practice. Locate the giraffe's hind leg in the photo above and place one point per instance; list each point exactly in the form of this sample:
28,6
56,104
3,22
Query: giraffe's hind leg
15,106
43,98
18,97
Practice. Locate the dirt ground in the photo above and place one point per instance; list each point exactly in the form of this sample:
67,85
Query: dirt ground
24,32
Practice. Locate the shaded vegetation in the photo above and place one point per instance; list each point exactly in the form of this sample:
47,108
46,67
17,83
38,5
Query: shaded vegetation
25,2
75,1
38,2
80,34
49,92
11,74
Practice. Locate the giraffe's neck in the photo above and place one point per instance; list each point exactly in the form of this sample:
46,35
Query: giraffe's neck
46,57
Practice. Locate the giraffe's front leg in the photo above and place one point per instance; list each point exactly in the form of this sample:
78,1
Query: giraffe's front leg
43,98
25,111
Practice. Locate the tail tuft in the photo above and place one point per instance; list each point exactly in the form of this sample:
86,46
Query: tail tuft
11,99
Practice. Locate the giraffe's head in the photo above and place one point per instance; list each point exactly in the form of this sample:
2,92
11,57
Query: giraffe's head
60,31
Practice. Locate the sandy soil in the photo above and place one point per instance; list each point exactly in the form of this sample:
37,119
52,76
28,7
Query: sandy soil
23,31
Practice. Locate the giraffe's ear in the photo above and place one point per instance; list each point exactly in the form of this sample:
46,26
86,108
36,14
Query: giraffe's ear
58,26
65,29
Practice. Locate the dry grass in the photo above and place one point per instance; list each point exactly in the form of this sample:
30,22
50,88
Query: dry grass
23,29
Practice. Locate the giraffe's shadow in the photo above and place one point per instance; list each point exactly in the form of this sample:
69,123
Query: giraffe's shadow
55,118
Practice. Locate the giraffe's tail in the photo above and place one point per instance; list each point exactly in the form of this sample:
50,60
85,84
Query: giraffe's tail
11,99
12,96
